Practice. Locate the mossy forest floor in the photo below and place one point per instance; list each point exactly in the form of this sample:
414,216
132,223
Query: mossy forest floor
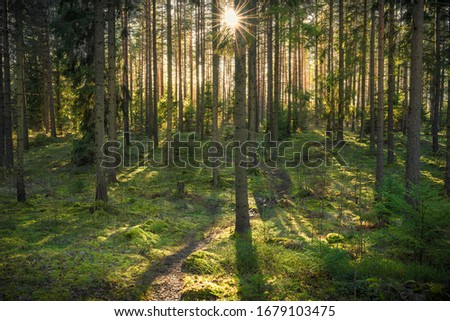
316,233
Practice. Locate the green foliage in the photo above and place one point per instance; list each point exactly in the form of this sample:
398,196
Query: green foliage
202,262
333,238
202,291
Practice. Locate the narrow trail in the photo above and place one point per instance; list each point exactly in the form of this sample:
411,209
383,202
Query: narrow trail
166,279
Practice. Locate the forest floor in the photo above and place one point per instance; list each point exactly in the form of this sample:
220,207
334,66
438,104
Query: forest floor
316,232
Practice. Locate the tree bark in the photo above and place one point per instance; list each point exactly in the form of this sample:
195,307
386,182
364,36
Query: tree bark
215,93
391,84
372,81
380,119
180,70
363,73
2,101
155,77
240,133
20,105
340,124
112,81
447,171
48,72
101,188
125,75
436,82
9,153
252,89
169,78
414,112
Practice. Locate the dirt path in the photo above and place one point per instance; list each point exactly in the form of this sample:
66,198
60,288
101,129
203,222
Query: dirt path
166,279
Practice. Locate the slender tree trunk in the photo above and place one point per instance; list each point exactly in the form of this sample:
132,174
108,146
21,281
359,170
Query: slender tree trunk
405,101
270,74
125,75
9,154
180,73
155,77
414,113
289,74
112,81
2,101
391,84
148,73
240,134
276,80
372,81
49,99
380,121
169,77
215,93
20,105
447,171
101,193
316,70
340,125
436,81
252,89
330,73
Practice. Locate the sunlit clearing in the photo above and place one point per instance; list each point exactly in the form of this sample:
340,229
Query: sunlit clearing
230,18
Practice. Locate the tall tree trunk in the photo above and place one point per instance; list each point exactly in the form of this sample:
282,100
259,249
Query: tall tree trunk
2,101
148,73
252,89
203,65
112,81
447,171
289,74
155,77
372,80
380,119
276,79
48,74
363,72
240,133
270,108
391,84
198,116
316,69
169,77
340,124
101,193
405,101
436,82
414,113
20,105
125,75
330,72
180,73
215,93
9,154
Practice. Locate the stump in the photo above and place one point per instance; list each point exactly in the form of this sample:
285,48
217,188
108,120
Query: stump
180,190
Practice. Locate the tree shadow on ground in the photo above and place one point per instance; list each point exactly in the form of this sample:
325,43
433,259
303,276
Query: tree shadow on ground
252,283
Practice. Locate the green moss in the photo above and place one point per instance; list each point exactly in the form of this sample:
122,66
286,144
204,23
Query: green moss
287,243
202,262
137,235
202,291
333,238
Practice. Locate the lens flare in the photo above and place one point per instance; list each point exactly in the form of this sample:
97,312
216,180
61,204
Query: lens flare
230,18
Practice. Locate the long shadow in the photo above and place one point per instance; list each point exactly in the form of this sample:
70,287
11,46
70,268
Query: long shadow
252,283
161,268
166,265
